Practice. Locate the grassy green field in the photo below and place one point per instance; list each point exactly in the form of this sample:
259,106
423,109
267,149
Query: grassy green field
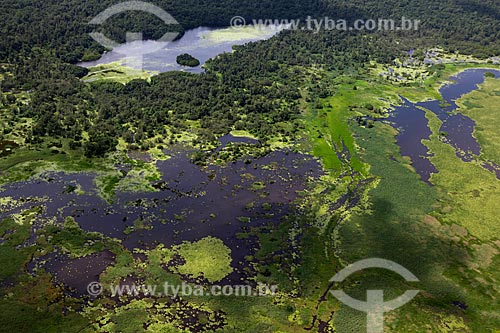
469,193
482,106
446,234
116,72
237,34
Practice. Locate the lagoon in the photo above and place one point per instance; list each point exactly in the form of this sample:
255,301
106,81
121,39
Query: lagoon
410,120
202,43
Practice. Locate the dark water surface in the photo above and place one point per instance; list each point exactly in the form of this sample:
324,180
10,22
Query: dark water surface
191,203
412,126
458,128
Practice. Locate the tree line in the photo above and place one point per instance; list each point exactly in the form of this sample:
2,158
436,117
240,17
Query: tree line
255,88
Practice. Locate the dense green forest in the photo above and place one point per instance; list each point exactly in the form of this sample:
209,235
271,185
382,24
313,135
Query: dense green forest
61,26
266,91
40,39
187,60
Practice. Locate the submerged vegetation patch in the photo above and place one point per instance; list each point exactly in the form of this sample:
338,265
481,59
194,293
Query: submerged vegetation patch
116,72
207,258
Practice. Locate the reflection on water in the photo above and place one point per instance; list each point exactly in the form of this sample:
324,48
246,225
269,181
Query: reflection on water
191,203
412,126
459,128
202,43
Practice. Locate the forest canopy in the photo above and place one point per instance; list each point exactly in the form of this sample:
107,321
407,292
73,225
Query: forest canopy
187,60
252,89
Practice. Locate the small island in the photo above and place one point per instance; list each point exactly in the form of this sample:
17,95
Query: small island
187,60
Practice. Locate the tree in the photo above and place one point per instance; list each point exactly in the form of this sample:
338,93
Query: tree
99,145
187,60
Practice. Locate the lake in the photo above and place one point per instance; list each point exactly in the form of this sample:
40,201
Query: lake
190,202
412,124
202,43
